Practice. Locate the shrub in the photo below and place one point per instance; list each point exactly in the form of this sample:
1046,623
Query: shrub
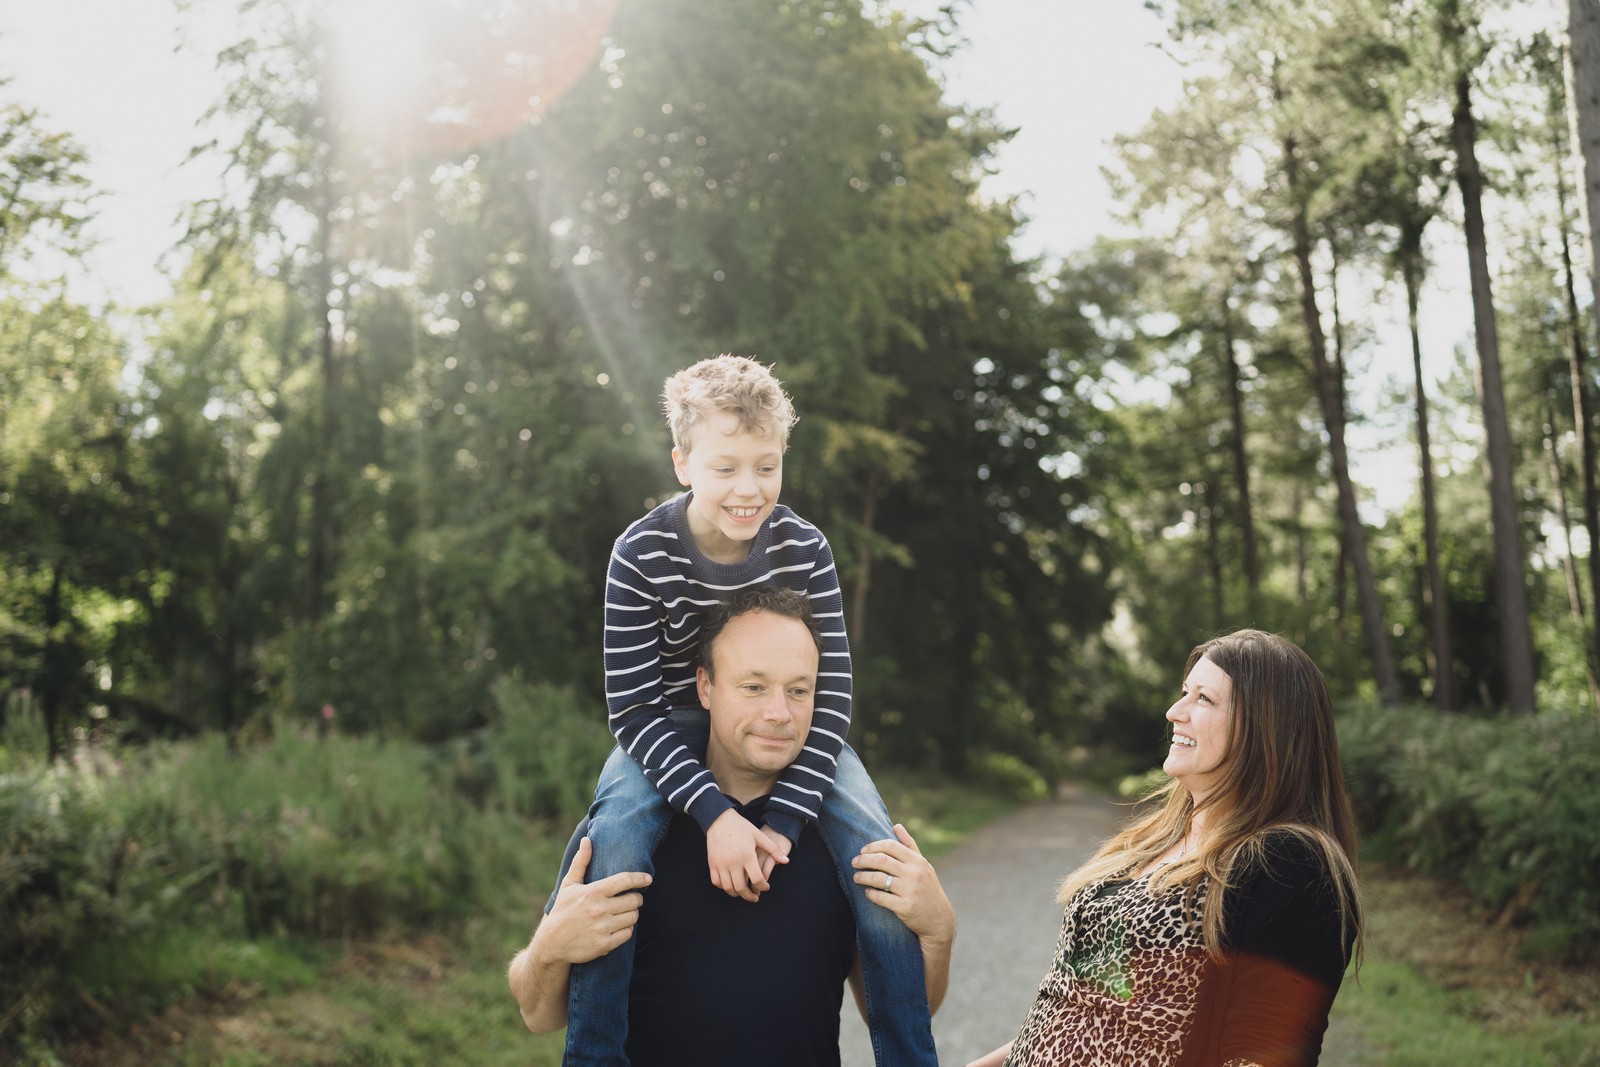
538,757
1505,806
71,877
109,863
1008,775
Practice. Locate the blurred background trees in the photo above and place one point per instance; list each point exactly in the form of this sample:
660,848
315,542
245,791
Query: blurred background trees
371,454
334,516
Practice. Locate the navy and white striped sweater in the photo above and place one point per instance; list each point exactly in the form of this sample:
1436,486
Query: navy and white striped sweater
658,589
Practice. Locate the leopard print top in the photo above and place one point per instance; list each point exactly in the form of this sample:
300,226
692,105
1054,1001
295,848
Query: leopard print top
1125,982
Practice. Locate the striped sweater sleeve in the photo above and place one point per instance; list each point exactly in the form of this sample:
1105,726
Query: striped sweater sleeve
797,798
640,642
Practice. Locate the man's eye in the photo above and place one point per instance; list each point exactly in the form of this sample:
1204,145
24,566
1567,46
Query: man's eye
799,694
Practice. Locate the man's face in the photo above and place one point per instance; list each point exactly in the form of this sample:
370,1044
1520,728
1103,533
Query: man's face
760,699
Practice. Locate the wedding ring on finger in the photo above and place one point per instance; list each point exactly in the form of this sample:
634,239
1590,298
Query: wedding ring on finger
888,882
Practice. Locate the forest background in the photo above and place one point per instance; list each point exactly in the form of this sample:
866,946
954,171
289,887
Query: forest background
300,569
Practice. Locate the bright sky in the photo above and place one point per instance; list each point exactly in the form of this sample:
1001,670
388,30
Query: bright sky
1070,81
110,73
106,71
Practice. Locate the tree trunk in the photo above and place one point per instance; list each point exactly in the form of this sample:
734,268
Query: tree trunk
1208,520
1444,679
1583,111
1302,564
320,537
1328,393
1558,479
1516,640
1241,464
1584,22
858,596
52,665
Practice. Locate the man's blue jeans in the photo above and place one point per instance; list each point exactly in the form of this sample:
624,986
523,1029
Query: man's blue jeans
628,820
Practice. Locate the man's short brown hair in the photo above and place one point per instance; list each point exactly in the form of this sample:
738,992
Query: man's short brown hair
738,385
771,598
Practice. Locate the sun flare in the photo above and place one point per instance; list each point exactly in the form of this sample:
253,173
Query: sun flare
428,75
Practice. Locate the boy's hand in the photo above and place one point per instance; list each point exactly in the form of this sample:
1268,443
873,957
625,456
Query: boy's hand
781,846
734,848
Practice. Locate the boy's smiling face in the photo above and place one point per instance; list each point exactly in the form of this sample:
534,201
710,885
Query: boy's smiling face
735,476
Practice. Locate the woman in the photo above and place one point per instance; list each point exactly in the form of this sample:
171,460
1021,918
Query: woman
1214,929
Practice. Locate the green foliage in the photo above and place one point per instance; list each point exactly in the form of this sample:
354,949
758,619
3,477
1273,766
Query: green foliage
1503,807
539,755
1009,776
1422,1023
168,863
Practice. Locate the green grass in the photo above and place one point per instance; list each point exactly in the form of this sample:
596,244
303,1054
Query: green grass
423,997
1412,1020
1439,986
1442,985
939,815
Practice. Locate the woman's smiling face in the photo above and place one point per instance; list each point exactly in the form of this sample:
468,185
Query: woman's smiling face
1201,721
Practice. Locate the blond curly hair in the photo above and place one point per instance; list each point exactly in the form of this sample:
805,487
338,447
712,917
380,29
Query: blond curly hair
738,385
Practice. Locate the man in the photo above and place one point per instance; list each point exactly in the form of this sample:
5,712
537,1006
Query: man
719,980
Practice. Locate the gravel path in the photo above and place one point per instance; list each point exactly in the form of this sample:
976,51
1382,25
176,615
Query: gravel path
1002,881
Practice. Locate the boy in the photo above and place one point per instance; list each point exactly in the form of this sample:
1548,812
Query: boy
730,423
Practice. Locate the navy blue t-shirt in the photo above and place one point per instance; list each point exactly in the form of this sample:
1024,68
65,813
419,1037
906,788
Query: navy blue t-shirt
718,980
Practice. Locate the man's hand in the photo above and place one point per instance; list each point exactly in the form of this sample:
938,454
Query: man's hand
586,922
898,877
769,860
734,851
590,920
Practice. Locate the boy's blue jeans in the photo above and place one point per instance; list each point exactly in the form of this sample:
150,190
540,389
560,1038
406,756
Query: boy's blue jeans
628,820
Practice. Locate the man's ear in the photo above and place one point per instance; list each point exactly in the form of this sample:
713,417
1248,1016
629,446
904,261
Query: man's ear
702,686
680,465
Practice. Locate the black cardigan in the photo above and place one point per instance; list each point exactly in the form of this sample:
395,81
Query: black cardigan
1285,952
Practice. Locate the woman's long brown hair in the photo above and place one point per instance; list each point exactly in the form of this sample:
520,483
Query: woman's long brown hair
1281,773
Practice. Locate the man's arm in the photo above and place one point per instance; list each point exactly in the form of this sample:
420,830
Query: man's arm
916,896
586,922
